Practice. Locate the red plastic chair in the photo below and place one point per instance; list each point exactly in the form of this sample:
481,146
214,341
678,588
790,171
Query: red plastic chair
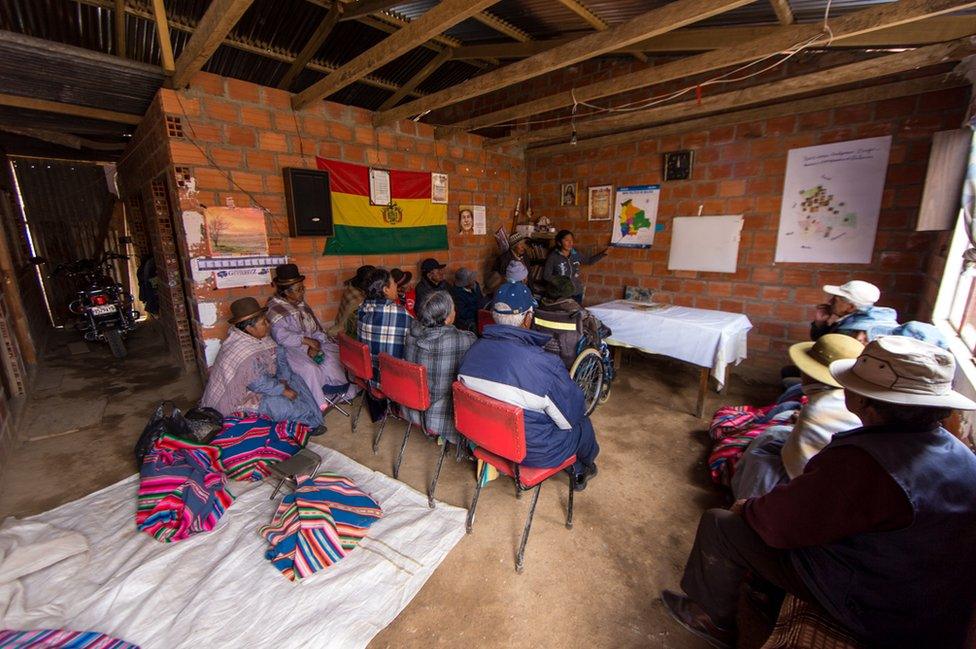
498,431
355,357
484,319
404,384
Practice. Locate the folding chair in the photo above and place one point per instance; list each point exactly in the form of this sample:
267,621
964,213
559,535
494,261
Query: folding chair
305,462
355,357
498,431
405,384
484,319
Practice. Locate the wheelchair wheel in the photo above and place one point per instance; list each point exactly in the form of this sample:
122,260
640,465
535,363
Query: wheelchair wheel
604,393
588,373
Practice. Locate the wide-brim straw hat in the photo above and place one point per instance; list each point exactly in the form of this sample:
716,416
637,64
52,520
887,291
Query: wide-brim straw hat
898,369
244,309
814,358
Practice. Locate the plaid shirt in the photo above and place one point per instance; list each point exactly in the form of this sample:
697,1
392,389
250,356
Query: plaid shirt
383,325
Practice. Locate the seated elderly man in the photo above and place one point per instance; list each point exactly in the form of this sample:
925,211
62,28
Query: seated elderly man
855,296
509,363
878,530
780,453
251,373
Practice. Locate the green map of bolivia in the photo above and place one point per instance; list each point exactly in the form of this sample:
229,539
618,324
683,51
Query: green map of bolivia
632,218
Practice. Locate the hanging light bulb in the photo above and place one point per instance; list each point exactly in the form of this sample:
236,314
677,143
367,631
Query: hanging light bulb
573,139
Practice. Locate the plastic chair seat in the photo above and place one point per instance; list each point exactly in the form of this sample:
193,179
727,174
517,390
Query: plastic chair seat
529,476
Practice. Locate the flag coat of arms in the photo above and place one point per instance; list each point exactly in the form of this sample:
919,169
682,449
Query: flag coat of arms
410,223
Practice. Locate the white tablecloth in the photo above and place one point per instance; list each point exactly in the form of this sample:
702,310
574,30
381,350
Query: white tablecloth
706,338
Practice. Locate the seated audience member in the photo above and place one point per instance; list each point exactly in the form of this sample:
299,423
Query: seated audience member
468,298
517,272
310,353
431,278
251,373
383,324
509,364
852,297
878,530
869,325
559,300
781,453
435,343
406,294
517,247
352,296
921,331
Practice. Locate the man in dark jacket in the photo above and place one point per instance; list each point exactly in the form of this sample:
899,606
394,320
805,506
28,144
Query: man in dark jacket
468,298
509,363
879,528
431,279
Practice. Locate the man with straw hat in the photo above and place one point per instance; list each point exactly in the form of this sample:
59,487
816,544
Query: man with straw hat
781,452
251,374
879,529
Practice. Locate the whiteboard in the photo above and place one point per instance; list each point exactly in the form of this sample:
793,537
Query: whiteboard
707,243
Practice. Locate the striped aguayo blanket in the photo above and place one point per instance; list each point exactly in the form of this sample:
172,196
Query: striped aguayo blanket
249,444
318,524
60,639
182,490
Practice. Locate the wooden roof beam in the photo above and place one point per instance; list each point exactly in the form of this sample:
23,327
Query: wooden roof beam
62,139
162,33
312,46
442,17
784,13
417,79
32,103
594,21
502,27
220,18
797,107
814,82
357,10
657,21
850,25
119,21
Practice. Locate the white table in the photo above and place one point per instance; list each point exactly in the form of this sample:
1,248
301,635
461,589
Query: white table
712,340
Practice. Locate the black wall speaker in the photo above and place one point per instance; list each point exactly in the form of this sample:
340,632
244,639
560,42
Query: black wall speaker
309,201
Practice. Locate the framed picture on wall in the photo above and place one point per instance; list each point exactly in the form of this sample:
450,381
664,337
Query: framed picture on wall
601,203
567,195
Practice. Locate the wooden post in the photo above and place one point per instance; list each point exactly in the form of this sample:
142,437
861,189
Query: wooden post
702,390
120,28
162,31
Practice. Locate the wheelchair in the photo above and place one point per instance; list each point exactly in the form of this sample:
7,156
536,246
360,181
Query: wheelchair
589,360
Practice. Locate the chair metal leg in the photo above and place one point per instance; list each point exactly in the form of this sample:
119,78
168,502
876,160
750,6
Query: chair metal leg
437,474
569,507
335,404
379,434
520,557
276,489
458,450
403,446
518,492
359,411
474,503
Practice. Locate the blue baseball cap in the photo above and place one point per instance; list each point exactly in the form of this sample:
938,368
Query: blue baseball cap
516,297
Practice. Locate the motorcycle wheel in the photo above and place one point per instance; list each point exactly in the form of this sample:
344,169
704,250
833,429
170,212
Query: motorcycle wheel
114,339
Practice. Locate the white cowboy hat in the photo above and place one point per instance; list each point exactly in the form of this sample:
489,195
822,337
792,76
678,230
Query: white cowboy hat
898,369
856,292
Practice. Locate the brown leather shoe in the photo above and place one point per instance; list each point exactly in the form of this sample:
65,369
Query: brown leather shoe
693,617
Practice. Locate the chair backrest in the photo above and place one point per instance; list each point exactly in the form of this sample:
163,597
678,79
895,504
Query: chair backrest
404,382
354,356
494,425
484,319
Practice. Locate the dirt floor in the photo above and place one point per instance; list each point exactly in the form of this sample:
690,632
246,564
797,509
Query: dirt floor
596,585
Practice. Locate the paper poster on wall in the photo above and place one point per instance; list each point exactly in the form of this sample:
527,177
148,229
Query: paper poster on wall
472,219
236,236
635,216
831,202
235,272
438,188
705,243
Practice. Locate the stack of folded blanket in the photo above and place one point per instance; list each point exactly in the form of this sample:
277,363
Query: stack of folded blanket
249,444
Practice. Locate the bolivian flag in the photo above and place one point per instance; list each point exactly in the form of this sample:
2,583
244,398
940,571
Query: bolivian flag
410,223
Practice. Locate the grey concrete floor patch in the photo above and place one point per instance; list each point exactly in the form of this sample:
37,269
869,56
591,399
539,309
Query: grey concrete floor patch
57,416
78,347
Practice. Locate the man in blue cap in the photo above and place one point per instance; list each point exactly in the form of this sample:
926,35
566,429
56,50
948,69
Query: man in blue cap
509,363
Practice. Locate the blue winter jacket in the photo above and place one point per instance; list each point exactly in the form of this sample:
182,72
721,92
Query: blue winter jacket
510,364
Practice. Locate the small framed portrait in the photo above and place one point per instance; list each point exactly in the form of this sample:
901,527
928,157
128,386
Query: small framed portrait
567,195
601,203
466,219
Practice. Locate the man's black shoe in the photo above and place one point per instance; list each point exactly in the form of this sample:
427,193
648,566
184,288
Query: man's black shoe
689,614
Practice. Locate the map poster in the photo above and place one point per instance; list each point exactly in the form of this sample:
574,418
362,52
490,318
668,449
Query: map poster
635,216
831,202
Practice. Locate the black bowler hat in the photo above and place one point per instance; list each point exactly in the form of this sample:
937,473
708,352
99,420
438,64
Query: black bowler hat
430,264
287,274
402,278
244,309
360,276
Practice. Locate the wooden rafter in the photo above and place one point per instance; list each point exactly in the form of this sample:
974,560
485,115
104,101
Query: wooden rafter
312,46
357,10
594,21
502,27
784,13
32,103
119,21
210,32
851,25
797,107
162,32
814,82
442,17
417,79
62,139
657,21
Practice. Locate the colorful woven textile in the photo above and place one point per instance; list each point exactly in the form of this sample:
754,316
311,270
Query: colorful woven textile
318,524
182,490
250,443
60,638
802,625
734,427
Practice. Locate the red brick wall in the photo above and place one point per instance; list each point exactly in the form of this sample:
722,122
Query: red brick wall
740,170
252,133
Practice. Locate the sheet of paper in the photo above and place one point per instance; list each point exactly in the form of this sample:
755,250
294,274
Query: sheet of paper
379,187
438,188
635,216
480,219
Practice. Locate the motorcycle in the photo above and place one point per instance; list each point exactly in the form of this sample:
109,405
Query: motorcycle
103,307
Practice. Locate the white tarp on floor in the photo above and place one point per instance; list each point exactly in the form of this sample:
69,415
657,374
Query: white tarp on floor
217,589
